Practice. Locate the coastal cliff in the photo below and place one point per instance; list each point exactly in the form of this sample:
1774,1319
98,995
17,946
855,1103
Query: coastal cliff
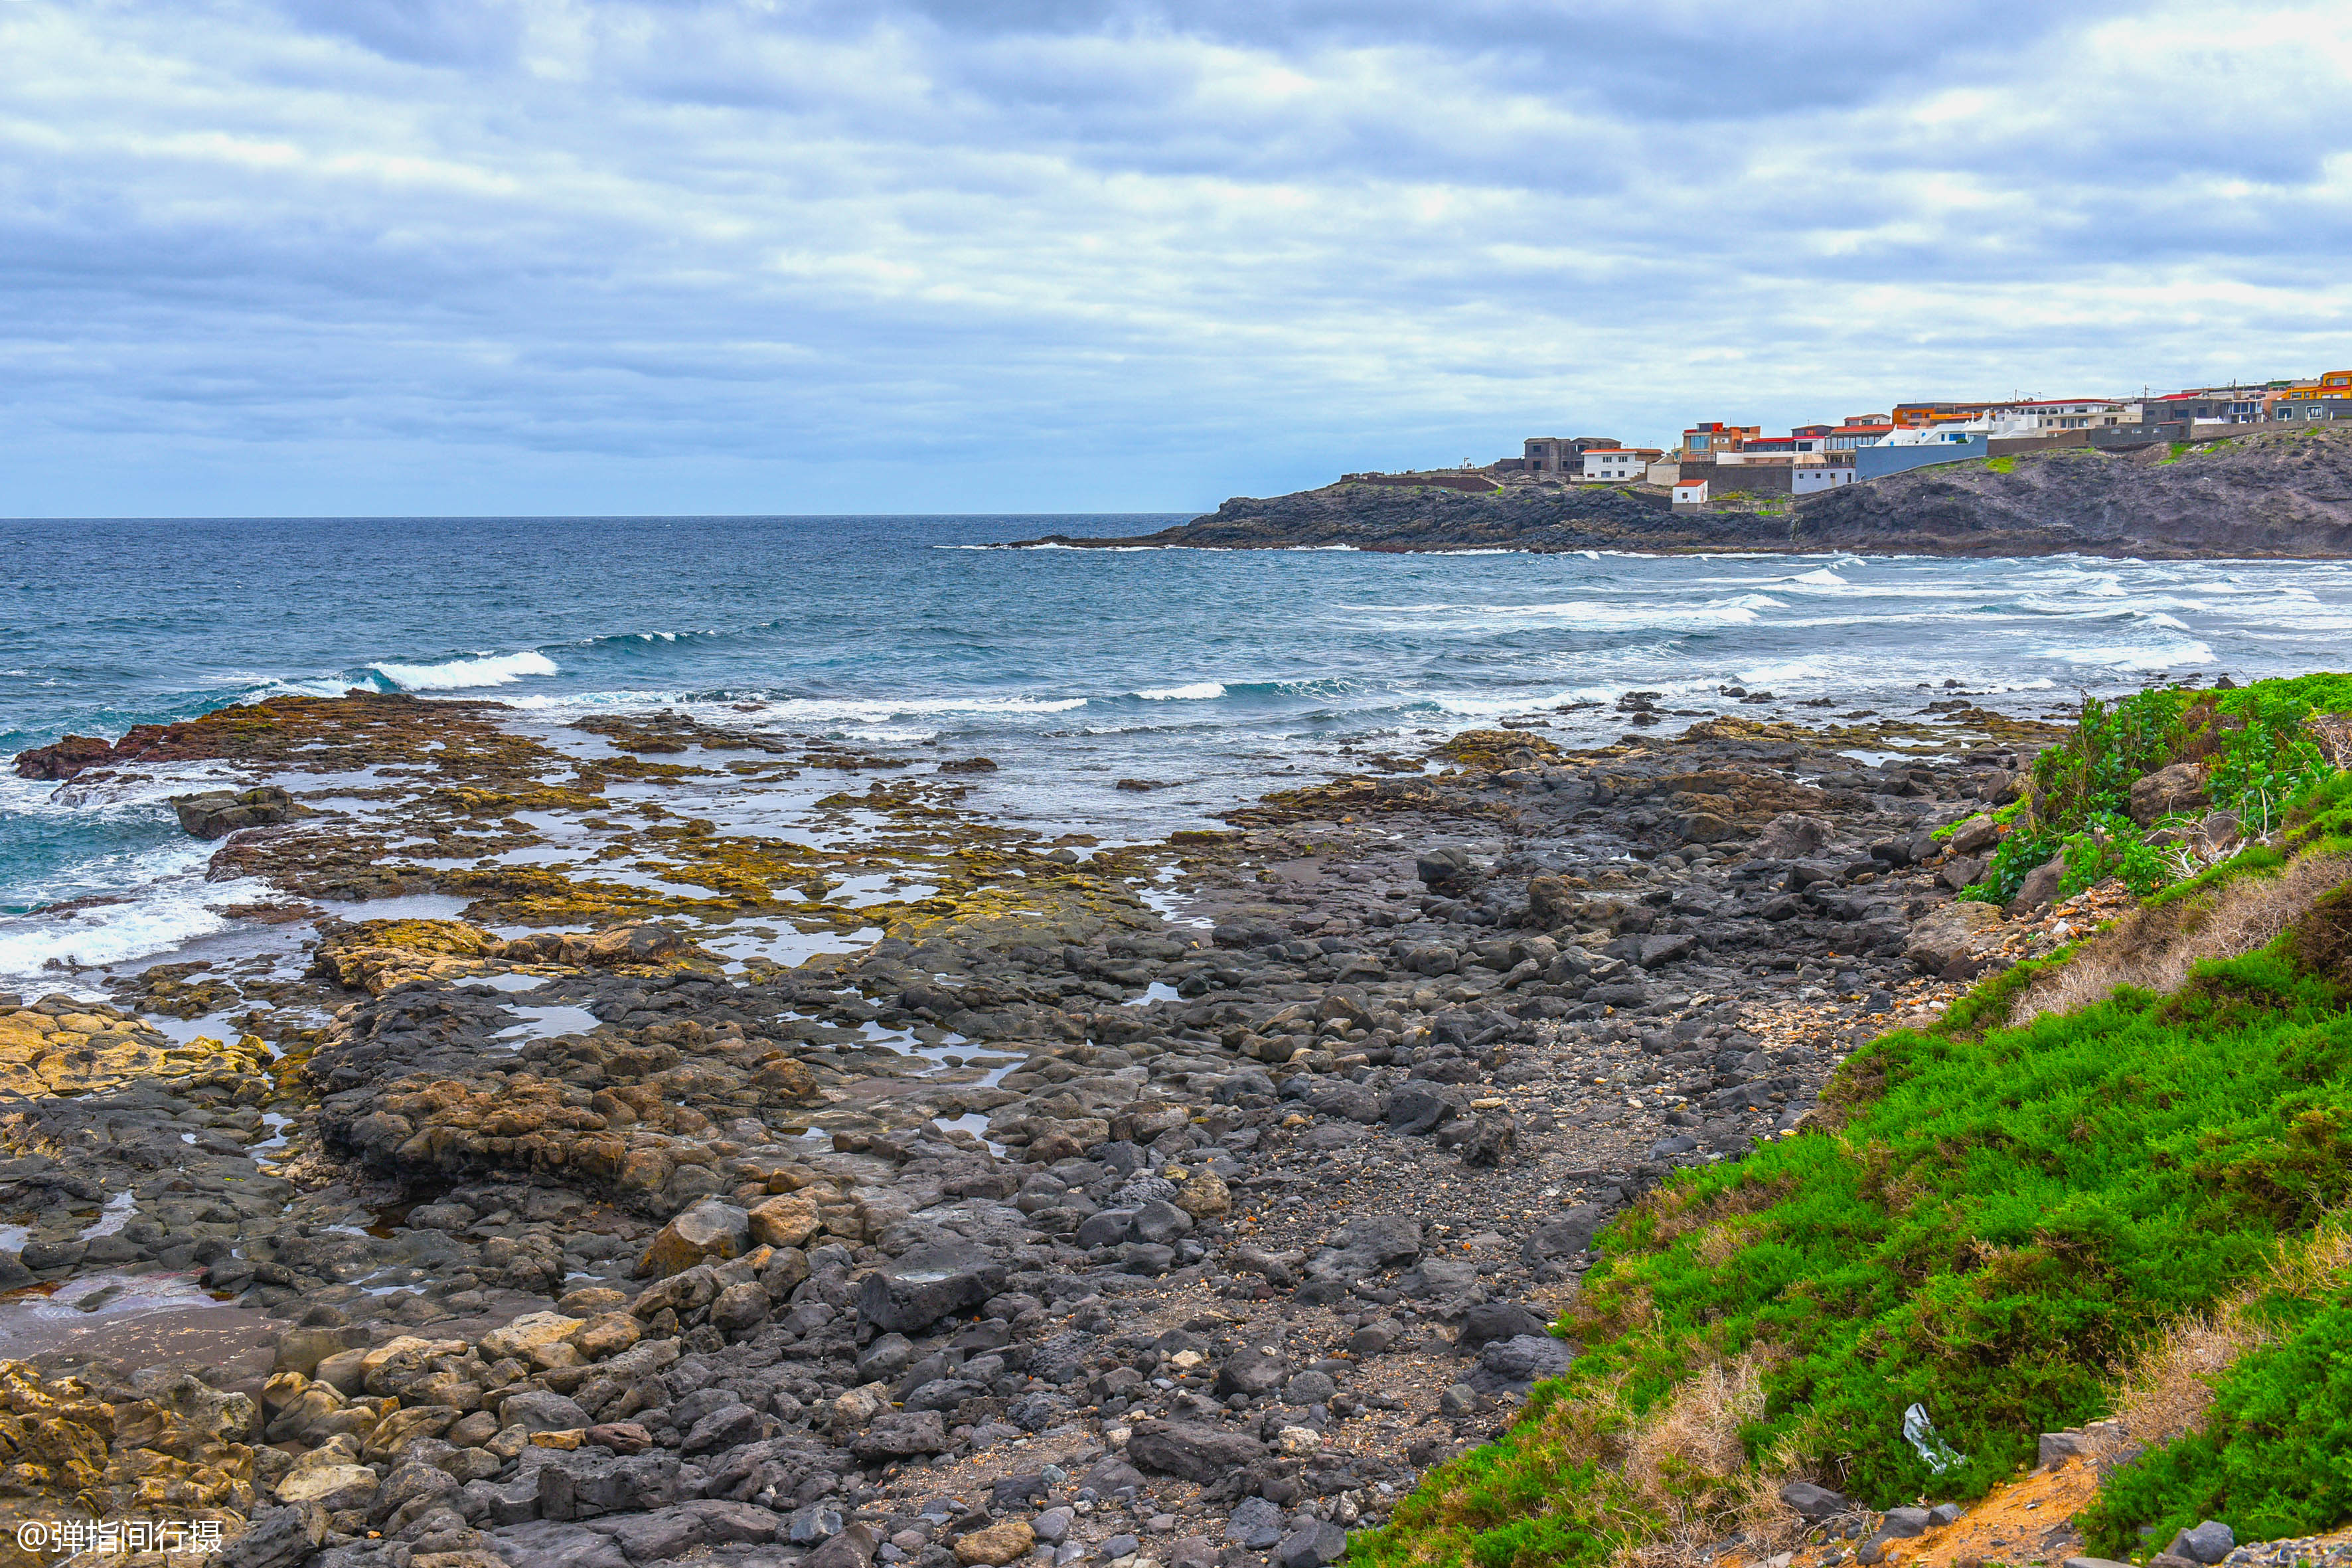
2273,493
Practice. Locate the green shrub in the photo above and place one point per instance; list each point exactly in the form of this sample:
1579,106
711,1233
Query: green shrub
2262,764
2001,1217
2271,1462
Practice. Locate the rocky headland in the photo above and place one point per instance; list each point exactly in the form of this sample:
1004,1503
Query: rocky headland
2272,494
577,1170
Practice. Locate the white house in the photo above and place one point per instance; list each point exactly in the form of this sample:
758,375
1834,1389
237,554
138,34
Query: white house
1616,464
2065,412
1812,479
1690,492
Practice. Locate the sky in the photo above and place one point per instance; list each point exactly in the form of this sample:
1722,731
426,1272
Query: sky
560,257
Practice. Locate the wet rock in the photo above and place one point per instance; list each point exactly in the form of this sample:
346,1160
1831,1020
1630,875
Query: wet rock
69,756
217,813
917,1290
1449,871
706,1230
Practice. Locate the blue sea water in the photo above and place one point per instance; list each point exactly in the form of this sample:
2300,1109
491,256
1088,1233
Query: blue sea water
1219,673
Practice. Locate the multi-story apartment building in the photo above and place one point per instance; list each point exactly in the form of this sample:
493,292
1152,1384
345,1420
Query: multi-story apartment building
1563,455
1926,416
2329,396
1714,438
2065,412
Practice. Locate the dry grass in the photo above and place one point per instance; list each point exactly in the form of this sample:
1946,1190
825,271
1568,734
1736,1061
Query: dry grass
2155,948
1676,1214
2166,1388
1686,1461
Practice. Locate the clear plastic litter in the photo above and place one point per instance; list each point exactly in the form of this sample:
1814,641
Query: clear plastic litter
1920,1433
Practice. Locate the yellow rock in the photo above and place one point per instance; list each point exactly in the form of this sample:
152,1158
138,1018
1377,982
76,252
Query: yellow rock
530,1333
788,1220
1006,1541
39,1055
607,1335
1205,1196
348,1485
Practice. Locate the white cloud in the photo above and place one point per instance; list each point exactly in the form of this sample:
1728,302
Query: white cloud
551,255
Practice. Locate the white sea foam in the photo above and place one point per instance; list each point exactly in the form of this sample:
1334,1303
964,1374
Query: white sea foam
2133,656
465,674
1199,692
1665,616
166,914
1824,578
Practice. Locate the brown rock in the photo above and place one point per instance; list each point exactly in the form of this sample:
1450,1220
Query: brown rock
788,1220
1957,930
1205,1196
2180,787
607,1334
621,1436
1006,1541
2039,888
708,1230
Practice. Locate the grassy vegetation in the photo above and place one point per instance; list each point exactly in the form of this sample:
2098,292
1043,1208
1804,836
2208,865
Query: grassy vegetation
2000,465
2270,1456
1997,1216
2079,796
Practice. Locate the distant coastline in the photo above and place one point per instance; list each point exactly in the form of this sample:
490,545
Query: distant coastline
2273,494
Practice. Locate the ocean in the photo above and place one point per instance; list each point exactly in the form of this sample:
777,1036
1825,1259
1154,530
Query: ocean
1211,676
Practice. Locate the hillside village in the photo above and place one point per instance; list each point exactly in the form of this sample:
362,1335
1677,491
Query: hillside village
1716,462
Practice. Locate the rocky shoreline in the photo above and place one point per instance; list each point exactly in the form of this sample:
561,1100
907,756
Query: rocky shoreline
625,1179
2273,495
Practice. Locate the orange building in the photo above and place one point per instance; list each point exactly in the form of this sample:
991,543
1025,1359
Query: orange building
1706,440
1926,416
2336,384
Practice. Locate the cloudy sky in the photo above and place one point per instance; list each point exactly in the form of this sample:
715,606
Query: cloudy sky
788,256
